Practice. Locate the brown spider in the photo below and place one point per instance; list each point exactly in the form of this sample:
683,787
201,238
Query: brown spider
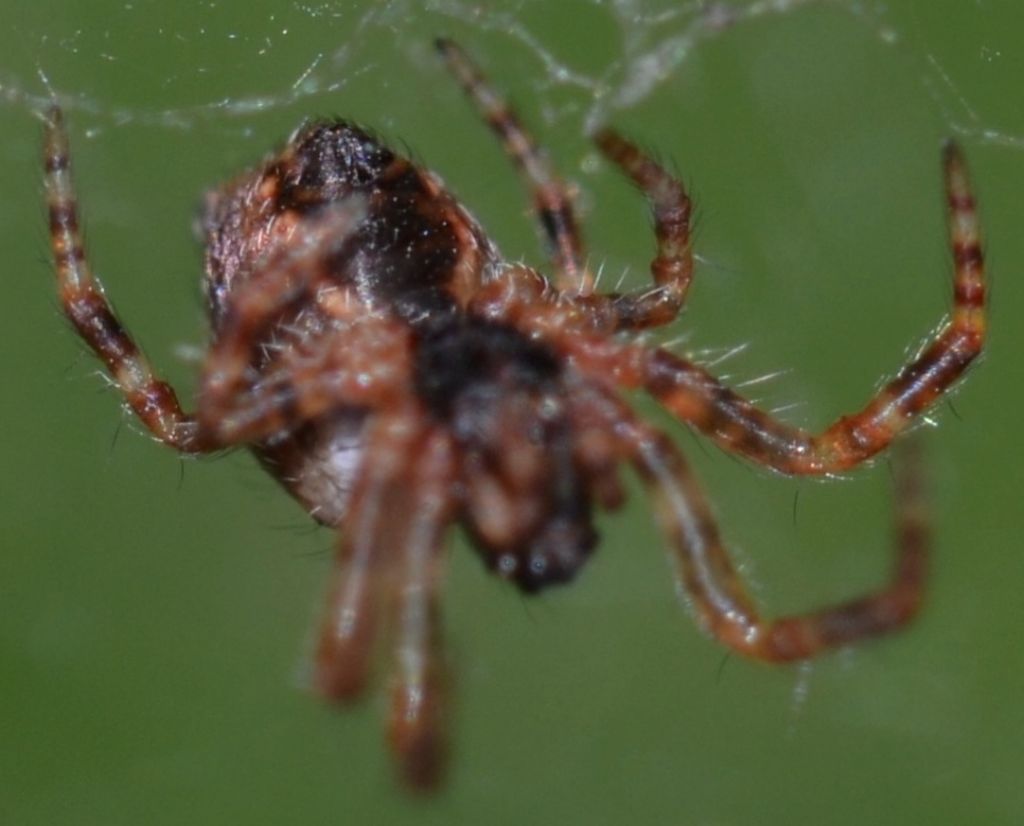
396,375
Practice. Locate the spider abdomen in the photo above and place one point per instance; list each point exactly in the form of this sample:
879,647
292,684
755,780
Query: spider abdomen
319,463
414,250
408,258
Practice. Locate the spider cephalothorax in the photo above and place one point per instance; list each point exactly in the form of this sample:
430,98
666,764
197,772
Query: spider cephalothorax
398,376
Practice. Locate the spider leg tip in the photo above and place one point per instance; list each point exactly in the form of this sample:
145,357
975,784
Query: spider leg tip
53,116
951,152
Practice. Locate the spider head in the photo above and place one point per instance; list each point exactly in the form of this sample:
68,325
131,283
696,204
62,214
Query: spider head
525,496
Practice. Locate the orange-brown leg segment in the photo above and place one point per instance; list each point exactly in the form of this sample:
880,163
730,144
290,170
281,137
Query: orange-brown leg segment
697,397
362,365
366,563
722,603
418,722
672,267
551,201
82,298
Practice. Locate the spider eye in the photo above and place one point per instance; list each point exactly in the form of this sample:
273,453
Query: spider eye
507,564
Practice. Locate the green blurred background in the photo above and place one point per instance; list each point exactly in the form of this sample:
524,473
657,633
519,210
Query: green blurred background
153,615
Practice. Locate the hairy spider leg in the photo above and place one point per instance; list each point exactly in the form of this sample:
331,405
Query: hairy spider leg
365,364
722,602
552,202
417,727
672,267
697,397
365,561
385,559
83,301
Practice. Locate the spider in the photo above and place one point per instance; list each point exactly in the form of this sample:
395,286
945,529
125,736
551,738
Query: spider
397,376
